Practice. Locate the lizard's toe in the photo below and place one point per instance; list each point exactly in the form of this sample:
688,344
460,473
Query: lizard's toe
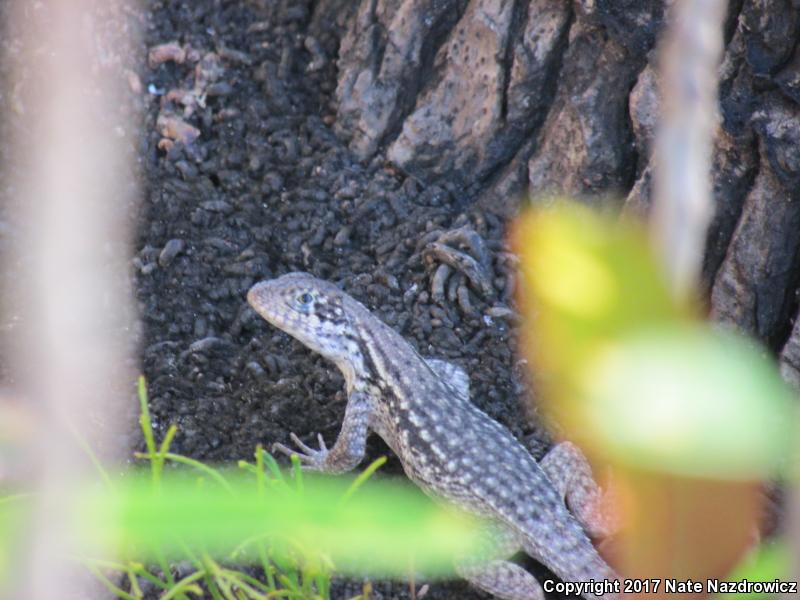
311,459
277,447
299,443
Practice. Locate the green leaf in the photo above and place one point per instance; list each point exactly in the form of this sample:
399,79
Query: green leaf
692,401
770,561
378,530
588,278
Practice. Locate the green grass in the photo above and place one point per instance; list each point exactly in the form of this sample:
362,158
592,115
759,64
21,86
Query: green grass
254,531
286,576
245,531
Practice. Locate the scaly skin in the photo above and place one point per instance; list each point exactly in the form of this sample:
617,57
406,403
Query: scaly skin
450,448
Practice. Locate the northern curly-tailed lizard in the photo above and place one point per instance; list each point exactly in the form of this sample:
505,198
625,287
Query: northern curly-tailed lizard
447,446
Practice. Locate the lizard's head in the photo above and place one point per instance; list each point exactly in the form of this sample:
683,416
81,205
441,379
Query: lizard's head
310,310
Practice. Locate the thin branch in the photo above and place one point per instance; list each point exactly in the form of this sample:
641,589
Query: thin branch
683,204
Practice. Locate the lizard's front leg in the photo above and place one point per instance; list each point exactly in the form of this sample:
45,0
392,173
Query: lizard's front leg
350,446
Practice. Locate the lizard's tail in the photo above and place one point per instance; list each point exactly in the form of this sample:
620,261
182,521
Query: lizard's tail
607,582
574,559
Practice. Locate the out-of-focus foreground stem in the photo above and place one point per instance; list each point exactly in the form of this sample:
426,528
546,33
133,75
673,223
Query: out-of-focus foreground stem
71,197
683,205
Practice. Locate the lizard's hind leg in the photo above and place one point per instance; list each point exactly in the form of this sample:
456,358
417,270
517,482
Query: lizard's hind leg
571,475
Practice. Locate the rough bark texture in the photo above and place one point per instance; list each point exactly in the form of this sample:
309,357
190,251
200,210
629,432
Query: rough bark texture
754,288
494,74
586,142
383,60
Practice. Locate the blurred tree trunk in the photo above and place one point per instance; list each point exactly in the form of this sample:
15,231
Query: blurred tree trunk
496,98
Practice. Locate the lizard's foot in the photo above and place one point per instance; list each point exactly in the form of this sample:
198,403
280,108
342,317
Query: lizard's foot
312,460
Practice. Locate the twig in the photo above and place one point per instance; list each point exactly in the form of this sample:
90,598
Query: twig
682,205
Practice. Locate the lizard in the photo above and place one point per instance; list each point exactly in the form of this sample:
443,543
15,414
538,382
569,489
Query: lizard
451,449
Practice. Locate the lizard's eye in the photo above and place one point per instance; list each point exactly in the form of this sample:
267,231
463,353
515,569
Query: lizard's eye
305,299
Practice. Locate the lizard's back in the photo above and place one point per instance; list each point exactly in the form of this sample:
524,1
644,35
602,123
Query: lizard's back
455,451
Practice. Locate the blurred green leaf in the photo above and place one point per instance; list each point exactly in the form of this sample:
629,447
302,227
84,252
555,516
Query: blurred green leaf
630,373
770,561
379,530
14,516
691,401
588,278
